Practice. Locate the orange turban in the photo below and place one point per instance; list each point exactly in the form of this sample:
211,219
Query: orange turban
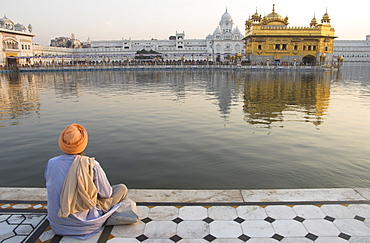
73,139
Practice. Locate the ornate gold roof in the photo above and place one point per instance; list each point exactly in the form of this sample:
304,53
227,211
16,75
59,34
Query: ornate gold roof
274,18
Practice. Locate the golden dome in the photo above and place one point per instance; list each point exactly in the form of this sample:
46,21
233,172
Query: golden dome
325,17
256,17
273,15
274,18
313,21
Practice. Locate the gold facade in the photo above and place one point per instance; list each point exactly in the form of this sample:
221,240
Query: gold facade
269,39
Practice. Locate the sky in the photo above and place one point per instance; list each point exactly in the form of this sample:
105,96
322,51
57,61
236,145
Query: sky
158,19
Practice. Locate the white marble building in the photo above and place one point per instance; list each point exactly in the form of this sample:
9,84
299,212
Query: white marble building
226,40
15,41
353,50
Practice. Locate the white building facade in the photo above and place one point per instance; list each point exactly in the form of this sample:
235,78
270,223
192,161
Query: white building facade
15,41
225,41
353,50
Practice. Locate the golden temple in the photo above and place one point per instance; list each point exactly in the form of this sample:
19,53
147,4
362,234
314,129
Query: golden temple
269,39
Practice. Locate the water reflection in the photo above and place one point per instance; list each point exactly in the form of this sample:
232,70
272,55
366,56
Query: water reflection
276,97
18,97
194,129
268,98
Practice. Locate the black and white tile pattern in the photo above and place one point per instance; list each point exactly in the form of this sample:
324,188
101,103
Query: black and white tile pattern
215,223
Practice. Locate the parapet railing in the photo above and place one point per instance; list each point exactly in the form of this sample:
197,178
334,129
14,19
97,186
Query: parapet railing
169,67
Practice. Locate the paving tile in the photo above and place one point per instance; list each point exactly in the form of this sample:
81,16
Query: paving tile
251,212
321,227
160,229
23,194
193,229
364,192
222,213
262,240
4,217
280,212
93,239
352,227
128,231
158,241
125,240
338,211
33,219
143,211
22,206
23,229
225,229
140,195
309,211
15,239
193,213
6,230
330,240
16,219
356,239
362,210
289,228
163,213
257,228
301,195
193,241
227,241
295,240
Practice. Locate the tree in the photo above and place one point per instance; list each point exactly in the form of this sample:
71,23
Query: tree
147,55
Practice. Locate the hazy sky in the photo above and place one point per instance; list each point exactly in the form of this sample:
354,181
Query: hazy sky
146,19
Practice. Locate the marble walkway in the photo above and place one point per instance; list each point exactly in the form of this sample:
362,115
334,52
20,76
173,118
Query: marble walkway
304,215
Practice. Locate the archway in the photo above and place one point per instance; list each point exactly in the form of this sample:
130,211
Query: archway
11,61
310,60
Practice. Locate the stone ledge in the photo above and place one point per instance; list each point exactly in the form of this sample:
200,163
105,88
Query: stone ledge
212,196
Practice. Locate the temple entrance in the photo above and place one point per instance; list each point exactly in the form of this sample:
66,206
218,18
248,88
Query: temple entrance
309,60
11,61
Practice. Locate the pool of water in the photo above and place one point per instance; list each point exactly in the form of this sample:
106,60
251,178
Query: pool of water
194,129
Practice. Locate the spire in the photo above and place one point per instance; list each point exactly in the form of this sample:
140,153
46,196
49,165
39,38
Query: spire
273,8
325,18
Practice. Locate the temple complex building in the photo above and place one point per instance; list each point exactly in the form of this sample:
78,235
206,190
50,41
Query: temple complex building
353,50
15,41
226,41
270,39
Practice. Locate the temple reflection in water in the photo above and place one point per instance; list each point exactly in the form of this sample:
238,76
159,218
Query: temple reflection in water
273,97
266,98
18,97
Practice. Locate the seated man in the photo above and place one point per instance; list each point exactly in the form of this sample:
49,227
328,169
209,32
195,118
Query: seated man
80,198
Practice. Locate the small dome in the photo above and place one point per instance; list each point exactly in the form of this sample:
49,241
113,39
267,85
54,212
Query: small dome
325,18
209,36
226,16
236,31
217,31
6,20
313,22
19,27
256,17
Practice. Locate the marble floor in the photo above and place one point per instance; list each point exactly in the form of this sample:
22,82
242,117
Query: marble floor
317,215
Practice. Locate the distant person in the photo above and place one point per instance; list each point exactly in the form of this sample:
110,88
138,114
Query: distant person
80,198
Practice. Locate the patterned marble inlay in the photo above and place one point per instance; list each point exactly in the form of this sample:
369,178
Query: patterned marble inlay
215,223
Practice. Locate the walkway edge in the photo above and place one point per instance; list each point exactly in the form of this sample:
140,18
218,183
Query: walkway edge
213,196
